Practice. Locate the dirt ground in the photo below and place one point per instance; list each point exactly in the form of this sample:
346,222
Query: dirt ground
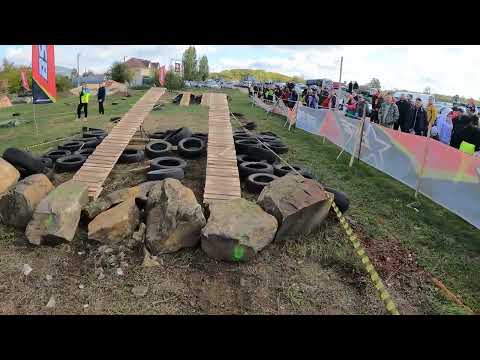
293,278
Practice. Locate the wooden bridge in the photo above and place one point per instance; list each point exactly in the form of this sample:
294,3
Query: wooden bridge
98,166
222,181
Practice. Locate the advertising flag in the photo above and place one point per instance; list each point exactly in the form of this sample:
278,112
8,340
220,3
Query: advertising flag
24,81
44,88
161,76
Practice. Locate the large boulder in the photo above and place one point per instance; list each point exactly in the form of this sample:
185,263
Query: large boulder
115,225
9,175
17,205
106,202
56,217
174,218
236,230
299,204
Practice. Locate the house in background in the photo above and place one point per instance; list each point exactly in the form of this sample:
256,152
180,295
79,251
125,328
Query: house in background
142,71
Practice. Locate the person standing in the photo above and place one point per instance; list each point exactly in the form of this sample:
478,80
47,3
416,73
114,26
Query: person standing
471,108
388,112
418,124
350,87
431,113
377,101
404,108
362,106
355,86
101,98
84,97
445,126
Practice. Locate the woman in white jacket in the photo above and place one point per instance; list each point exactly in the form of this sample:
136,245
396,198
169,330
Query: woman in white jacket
445,126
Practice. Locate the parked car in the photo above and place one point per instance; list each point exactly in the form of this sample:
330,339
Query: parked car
211,84
227,85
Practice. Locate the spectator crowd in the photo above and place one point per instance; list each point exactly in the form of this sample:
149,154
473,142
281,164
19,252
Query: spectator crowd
451,126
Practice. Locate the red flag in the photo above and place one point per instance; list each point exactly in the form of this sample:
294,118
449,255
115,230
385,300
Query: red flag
43,74
24,81
161,75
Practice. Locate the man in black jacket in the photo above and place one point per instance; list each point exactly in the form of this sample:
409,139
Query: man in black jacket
404,108
355,86
418,119
101,98
350,87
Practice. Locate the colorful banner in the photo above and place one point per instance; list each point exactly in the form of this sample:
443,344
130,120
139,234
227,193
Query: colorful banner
24,81
161,76
44,88
442,173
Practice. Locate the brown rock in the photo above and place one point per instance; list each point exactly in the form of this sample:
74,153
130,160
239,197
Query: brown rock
174,217
56,217
236,230
299,204
106,202
9,175
17,205
116,224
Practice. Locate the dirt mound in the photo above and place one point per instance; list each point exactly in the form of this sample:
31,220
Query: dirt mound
111,86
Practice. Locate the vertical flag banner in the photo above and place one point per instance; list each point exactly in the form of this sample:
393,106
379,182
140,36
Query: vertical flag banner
177,67
44,89
24,81
161,76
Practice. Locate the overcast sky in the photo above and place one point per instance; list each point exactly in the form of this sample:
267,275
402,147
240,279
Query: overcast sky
446,70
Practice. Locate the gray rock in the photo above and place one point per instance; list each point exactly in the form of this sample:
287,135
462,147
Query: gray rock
140,291
56,217
51,303
174,218
18,204
106,202
236,230
116,224
300,205
138,237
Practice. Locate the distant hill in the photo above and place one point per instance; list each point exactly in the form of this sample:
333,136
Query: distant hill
62,70
260,75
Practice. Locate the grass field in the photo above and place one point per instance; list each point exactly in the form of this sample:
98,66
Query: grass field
56,120
443,244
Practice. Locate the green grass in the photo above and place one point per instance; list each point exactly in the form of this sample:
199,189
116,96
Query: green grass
56,120
445,245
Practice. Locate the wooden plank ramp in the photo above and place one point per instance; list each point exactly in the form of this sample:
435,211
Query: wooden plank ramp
185,101
205,99
98,166
222,181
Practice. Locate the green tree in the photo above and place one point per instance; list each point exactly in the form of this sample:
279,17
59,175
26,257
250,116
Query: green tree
427,90
203,68
374,83
173,81
119,72
190,64
63,83
7,65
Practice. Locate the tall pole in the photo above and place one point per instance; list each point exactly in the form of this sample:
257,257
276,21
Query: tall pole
341,68
78,69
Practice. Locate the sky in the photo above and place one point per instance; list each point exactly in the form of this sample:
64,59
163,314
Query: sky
446,69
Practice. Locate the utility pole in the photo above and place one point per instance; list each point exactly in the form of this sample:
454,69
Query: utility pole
341,67
78,69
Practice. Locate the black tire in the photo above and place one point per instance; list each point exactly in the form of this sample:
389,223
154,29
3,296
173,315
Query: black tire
247,158
71,146
239,131
250,125
191,147
243,145
179,134
69,163
256,182
114,103
92,143
130,156
261,153
248,168
167,162
237,114
177,99
158,148
279,148
268,138
340,199
94,134
269,133
159,135
85,152
16,114
173,173
115,119
242,136
57,154
202,136
47,162
282,170
23,159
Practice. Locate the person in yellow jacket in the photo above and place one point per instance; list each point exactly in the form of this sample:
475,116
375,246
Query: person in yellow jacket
431,113
84,97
